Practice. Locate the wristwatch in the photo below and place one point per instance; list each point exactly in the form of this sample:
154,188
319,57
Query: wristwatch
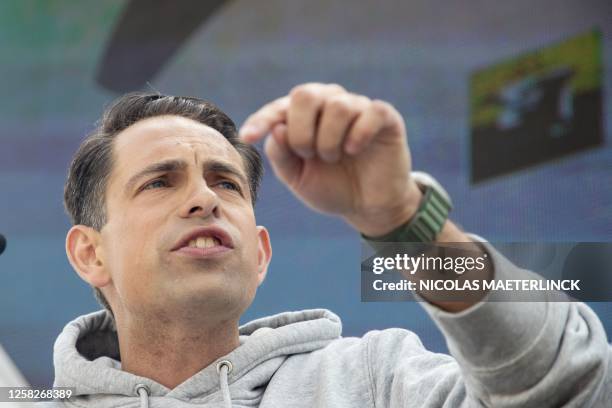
429,219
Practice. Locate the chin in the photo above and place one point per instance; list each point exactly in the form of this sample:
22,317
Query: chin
213,295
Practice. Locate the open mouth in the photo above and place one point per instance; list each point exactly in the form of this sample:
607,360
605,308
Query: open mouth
204,242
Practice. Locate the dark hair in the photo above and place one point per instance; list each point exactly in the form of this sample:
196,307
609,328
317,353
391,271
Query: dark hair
85,188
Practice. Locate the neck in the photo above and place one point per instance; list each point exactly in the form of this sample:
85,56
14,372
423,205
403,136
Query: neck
170,351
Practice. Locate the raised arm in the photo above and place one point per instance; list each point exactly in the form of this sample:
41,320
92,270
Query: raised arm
347,155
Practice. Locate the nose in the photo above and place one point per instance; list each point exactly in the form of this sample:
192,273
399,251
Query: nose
201,202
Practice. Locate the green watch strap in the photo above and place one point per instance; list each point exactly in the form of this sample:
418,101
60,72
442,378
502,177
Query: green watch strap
426,223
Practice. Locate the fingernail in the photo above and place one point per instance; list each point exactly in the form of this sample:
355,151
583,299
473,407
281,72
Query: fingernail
330,158
351,148
305,154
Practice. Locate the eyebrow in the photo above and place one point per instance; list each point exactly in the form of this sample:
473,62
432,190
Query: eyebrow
216,166
174,165
167,166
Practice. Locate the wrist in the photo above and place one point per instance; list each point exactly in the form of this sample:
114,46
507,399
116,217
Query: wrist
430,218
379,222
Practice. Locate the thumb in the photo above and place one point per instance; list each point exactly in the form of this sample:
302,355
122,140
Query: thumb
286,165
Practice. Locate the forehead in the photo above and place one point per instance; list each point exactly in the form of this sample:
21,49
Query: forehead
169,137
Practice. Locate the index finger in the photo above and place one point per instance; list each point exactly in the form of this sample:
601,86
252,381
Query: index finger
260,123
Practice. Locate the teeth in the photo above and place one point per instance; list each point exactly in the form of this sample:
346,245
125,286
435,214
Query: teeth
204,242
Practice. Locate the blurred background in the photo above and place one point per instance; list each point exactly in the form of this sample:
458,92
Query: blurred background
507,104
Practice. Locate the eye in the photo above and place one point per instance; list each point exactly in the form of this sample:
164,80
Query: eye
230,185
157,183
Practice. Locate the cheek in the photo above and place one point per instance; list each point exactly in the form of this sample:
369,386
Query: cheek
252,254
140,230
133,256
248,234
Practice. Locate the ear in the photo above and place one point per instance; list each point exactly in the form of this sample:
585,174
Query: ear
264,253
86,256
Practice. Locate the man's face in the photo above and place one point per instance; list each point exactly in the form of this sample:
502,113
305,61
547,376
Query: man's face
180,234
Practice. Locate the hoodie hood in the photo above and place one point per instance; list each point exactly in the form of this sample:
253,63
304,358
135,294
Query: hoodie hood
86,357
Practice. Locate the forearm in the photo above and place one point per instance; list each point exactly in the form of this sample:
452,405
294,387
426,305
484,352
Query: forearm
452,234
527,354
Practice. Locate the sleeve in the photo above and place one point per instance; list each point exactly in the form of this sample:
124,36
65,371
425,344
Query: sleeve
528,354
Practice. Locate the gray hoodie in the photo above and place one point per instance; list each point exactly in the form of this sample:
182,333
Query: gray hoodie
539,354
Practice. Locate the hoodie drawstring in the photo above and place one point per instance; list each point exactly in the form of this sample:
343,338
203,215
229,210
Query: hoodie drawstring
143,391
224,368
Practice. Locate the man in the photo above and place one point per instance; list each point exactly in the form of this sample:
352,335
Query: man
161,196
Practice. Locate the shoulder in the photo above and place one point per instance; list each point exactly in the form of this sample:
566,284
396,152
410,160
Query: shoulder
376,343
400,350
394,336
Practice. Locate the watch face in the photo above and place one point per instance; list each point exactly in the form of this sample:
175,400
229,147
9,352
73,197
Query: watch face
537,107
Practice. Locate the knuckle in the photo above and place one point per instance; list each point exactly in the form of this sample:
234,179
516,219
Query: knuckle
336,88
304,94
380,107
339,106
280,103
363,100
